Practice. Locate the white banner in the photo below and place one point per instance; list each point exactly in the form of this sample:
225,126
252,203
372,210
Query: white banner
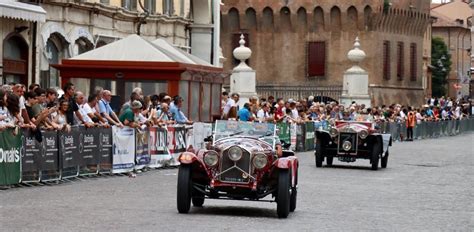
123,149
158,147
199,133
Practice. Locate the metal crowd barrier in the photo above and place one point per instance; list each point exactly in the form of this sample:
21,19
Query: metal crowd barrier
305,136
429,129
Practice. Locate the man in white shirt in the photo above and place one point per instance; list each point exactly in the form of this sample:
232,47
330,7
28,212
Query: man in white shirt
263,114
80,101
228,105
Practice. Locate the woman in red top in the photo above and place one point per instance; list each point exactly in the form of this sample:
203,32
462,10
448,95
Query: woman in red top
279,114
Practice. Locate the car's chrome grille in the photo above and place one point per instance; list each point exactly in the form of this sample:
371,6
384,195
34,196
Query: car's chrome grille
237,172
351,137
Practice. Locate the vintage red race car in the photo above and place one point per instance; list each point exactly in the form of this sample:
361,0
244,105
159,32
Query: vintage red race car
240,163
351,140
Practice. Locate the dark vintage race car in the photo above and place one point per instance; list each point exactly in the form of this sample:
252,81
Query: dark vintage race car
351,140
239,163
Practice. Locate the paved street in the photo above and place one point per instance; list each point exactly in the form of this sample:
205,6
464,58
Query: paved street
427,186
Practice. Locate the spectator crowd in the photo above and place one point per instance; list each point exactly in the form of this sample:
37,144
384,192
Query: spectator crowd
55,109
309,109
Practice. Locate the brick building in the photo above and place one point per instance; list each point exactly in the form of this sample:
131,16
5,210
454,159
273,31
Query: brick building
300,46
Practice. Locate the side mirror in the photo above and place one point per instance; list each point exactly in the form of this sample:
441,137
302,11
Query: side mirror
285,145
208,139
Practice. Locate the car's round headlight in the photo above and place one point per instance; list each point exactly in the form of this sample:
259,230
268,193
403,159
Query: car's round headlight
260,160
333,132
346,145
211,158
363,134
235,153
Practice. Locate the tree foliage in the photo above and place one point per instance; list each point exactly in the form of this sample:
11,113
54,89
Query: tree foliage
441,62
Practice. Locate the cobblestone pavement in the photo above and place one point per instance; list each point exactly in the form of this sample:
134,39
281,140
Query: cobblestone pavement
428,186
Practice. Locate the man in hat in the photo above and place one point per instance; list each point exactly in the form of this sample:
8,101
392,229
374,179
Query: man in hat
130,116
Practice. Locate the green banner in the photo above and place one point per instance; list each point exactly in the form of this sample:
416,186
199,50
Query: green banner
10,164
284,132
309,136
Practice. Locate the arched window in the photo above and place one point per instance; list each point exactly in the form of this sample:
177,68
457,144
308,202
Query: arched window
318,18
82,45
251,18
234,20
352,18
267,18
335,18
285,18
367,17
302,17
54,51
15,60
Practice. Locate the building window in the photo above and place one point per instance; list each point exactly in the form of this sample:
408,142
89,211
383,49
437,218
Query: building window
106,2
168,7
150,5
413,62
130,5
400,61
386,60
316,59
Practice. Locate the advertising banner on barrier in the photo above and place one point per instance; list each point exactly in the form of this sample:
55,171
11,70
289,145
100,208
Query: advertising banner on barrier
10,163
50,151
284,132
105,149
142,155
31,152
69,149
158,147
123,149
176,143
89,145
293,136
309,136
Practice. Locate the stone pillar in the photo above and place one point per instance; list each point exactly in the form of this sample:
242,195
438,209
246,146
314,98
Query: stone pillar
356,80
243,79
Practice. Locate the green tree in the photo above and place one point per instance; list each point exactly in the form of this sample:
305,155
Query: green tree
441,61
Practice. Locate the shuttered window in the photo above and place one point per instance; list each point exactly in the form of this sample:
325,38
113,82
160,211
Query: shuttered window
400,61
386,60
413,62
317,59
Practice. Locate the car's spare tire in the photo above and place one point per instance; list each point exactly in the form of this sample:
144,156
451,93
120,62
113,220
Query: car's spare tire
183,196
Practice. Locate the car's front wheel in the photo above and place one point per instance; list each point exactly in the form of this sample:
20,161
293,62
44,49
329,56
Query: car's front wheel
283,197
384,160
329,160
184,189
318,154
294,194
374,160
198,199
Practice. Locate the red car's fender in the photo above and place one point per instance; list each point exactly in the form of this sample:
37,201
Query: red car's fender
187,158
289,163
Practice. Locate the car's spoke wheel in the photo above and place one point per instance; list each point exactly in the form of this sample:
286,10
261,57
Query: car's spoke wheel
375,156
198,198
283,197
184,189
384,160
319,154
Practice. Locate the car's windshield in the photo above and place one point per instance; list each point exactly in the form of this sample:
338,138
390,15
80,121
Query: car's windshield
264,131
